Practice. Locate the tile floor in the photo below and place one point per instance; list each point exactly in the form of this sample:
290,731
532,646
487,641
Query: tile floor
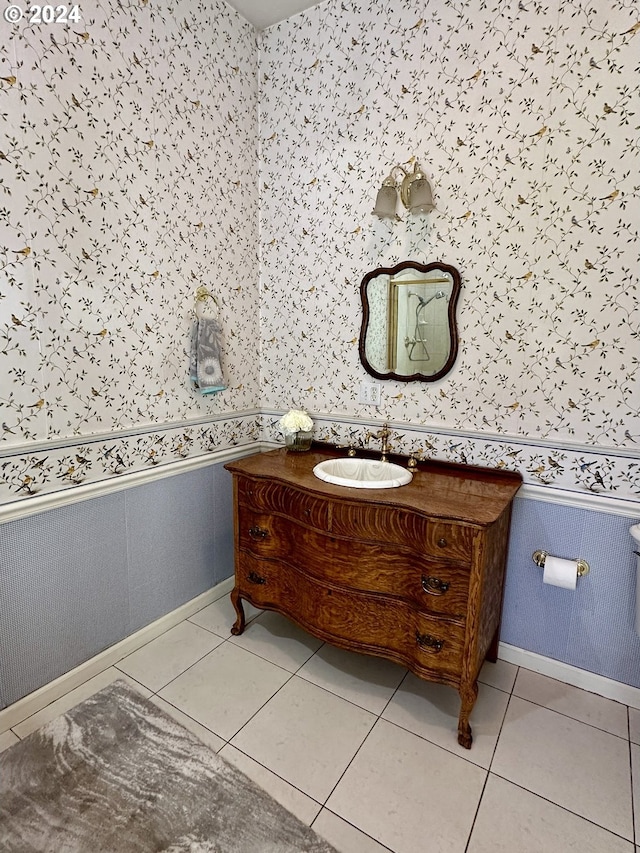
367,753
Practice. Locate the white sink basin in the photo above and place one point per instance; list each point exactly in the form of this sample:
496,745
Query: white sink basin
362,473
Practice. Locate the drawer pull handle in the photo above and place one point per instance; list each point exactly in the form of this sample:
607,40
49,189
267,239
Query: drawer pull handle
258,532
434,586
256,578
426,641
442,543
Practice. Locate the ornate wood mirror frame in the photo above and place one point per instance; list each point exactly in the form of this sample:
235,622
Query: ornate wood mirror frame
408,321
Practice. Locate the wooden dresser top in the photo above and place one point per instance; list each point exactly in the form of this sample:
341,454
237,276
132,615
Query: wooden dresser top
462,493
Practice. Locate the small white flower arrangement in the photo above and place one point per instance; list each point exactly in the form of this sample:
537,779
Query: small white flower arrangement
296,420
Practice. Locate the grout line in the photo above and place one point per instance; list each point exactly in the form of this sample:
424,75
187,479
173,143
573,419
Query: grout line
94,666
123,672
392,697
357,828
273,773
184,713
564,808
289,673
60,698
477,811
339,695
448,750
267,660
571,717
351,760
227,741
504,717
378,717
634,806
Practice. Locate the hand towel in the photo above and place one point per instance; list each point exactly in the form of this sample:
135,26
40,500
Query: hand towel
205,367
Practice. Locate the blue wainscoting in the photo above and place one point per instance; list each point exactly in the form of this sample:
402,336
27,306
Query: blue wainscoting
76,579
592,628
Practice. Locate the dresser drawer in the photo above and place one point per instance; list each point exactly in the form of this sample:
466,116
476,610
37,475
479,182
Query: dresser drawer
436,587
413,575
274,497
377,624
386,524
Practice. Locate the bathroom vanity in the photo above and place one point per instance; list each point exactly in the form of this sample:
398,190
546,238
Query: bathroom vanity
414,574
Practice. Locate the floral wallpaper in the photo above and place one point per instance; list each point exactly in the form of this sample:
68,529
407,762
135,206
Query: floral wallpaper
128,178
154,147
525,117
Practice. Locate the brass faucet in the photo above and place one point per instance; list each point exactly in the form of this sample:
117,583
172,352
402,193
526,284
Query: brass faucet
351,448
414,457
383,435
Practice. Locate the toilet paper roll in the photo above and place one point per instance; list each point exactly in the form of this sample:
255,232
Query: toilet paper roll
558,572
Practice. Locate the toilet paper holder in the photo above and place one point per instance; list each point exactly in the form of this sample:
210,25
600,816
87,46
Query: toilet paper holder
582,567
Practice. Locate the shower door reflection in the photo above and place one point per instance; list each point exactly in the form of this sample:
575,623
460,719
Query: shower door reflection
418,339
408,329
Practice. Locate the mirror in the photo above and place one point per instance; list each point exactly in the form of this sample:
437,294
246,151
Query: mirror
408,321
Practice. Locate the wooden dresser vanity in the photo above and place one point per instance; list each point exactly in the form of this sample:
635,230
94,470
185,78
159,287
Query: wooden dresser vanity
414,574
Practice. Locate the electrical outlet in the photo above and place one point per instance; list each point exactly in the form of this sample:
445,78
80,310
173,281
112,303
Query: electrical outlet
370,393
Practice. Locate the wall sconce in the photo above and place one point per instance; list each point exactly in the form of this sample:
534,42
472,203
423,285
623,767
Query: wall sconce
413,188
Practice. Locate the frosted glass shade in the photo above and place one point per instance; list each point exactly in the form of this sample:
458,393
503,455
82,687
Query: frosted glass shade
420,197
386,202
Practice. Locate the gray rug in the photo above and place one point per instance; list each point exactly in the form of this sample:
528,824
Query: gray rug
117,775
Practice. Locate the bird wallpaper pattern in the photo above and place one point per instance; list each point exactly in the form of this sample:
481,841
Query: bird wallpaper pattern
526,118
128,179
155,147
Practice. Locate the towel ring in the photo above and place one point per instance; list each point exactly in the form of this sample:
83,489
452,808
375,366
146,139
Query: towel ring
202,294
203,297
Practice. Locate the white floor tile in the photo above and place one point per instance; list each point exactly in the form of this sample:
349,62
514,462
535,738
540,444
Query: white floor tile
225,689
220,616
500,674
279,640
390,784
581,705
511,819
575,765
74,697
635,770
634,725
204,734
362,679
306,735
343,836
402,790
299,804
431,711
164,658
8,739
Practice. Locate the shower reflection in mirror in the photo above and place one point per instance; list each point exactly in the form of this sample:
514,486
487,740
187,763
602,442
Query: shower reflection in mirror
409,321
418,323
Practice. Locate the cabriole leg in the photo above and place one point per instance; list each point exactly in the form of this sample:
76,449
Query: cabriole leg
468,696
236,600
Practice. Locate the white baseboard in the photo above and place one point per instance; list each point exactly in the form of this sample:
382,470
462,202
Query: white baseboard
42,697
590,681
